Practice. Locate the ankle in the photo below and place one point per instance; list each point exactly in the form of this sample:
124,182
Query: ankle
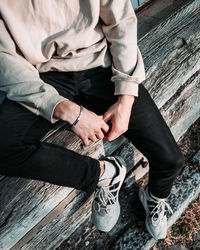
155,197
109,170
102,168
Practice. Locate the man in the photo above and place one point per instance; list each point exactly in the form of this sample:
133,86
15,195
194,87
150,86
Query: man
78,61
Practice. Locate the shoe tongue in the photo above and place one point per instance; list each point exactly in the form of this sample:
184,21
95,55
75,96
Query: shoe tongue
104,183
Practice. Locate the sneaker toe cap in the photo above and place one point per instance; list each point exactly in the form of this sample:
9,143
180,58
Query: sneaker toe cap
157,231
106,221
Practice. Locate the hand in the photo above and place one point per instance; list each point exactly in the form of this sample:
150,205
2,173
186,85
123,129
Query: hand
119,115
90,126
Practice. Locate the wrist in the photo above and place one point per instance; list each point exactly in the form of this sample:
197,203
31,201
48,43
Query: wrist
78,118
67,111
126,99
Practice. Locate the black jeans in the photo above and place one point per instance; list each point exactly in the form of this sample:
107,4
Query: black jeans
23,155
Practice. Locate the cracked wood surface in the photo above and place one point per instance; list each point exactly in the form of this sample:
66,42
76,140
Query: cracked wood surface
171,52
183,110
171,56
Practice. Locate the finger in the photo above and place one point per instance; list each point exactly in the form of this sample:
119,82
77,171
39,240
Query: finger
105,127
113,134
93,138
106,117
85,141
100,135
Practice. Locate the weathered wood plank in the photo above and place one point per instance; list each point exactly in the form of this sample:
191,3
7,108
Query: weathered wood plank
183,110
171,52
155,12
68,226
23,204
70,205
180,112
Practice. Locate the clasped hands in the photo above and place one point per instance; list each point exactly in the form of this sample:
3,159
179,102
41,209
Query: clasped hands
95,127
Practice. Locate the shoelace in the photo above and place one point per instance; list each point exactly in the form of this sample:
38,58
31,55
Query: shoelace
105,197
158,212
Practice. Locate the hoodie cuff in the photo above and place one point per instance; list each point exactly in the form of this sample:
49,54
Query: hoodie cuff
126,88
46,108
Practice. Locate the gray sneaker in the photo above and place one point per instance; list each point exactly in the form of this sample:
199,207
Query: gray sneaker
105,206
156,219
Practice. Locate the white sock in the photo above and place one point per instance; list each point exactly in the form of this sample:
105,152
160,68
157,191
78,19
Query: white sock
109,171
155,198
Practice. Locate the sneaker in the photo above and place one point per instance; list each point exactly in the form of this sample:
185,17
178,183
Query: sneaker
156,219
105,206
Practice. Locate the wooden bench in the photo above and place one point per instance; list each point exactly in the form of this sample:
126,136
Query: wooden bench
38,215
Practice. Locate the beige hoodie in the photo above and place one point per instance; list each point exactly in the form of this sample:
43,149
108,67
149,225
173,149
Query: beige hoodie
65,35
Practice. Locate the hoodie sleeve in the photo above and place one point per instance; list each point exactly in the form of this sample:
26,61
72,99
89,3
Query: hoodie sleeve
21,82
120,28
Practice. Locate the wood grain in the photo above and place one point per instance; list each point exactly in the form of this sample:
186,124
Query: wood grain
171,53
184,108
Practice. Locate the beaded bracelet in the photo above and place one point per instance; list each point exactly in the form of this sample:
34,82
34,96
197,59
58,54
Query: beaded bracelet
78,118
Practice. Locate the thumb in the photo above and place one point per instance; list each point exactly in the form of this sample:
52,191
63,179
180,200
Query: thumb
106,117
112,134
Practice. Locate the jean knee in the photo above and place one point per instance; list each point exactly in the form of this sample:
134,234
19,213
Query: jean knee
175,161
168,160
